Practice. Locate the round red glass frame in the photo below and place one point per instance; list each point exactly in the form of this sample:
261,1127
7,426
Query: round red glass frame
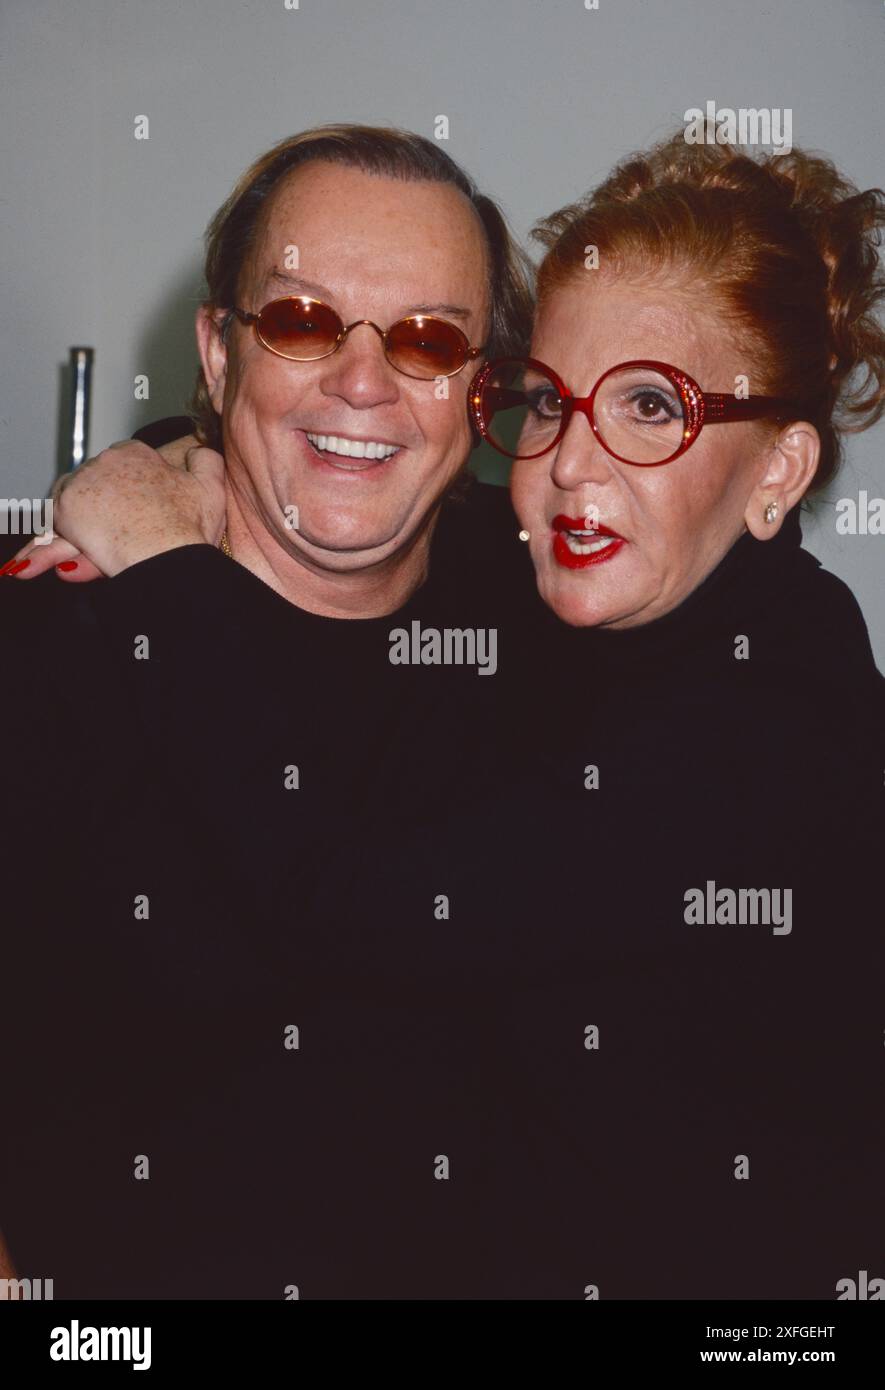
700,407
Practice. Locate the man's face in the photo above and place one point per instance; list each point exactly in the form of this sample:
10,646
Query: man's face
371,248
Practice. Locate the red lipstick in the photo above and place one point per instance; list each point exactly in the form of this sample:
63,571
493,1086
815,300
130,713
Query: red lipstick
579,560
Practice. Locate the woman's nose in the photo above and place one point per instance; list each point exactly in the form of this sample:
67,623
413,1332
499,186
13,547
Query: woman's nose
579,457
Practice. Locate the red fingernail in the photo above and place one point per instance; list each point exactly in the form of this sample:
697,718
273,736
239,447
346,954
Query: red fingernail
67,565
16,568
9,565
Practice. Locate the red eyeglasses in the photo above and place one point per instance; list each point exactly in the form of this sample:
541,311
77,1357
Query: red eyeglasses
643,412
304,330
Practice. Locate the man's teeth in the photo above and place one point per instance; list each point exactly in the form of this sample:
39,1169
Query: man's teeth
352,448
586,542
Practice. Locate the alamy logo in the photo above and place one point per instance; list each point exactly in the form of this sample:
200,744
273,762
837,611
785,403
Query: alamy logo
26,516
771,127
449,646
14,1290
863,1289
76,1343
739,907
863,517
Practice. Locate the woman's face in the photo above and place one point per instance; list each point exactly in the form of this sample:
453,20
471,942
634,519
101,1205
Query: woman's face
677,520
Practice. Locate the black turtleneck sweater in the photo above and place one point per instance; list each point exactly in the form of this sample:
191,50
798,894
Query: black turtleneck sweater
192,761
447,914
649,1081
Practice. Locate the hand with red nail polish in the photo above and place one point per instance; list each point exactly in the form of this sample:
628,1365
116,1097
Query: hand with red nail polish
36,558
127,504
132,502
14,566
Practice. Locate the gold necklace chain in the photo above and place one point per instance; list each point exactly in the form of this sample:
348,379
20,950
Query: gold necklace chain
225,545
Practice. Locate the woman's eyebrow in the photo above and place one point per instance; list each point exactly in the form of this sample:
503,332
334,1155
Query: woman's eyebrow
297,282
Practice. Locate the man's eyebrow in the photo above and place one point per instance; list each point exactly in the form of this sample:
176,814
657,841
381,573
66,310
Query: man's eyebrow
297,282
456,311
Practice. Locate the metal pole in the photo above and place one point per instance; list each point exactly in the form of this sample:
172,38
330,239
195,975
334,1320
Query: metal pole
81,387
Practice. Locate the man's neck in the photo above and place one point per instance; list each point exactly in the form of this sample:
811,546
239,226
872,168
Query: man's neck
371,592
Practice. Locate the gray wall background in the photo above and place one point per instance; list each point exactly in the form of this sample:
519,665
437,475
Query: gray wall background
101,233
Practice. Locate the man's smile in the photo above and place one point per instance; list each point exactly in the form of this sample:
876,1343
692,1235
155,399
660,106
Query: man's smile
347,454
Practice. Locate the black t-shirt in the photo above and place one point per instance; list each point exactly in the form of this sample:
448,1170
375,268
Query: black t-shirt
323,940
192,759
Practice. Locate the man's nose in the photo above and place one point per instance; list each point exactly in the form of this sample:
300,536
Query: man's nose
580,458
358,370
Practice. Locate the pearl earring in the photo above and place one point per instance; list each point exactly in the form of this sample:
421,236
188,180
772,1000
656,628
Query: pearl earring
524,535
771,511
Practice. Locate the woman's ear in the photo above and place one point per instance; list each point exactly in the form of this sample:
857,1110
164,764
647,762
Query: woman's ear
790,466
213,351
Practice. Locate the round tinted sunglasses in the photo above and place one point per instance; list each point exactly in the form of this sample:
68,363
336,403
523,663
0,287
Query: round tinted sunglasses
642,412
305,330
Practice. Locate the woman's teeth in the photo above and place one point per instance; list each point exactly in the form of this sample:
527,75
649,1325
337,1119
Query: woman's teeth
586,542
352,448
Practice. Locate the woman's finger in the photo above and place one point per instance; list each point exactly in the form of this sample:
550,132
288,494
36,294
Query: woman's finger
40,557
176,452
78,570
68,562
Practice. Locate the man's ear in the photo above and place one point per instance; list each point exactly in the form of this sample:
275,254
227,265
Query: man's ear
213,352
790,466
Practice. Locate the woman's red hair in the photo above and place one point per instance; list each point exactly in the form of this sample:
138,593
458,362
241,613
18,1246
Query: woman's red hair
788,246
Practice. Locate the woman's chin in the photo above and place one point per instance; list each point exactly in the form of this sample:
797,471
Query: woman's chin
574,601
